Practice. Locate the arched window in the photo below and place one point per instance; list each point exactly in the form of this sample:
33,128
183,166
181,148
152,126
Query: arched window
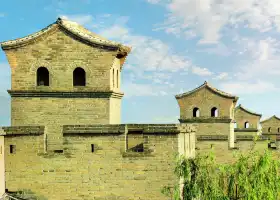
214,112
269,129
42,76
196,112
113,78
117,78
246,125
235,125
79,77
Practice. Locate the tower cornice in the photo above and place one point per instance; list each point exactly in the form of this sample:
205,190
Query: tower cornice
64,94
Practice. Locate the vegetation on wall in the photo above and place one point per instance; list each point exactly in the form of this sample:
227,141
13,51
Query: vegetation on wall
253,176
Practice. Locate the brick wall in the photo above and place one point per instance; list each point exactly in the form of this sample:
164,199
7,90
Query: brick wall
109,172
213,128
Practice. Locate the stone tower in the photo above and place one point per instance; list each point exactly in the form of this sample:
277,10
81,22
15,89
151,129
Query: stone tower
65,74
212,110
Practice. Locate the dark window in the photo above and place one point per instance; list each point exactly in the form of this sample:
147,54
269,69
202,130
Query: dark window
278,130
117,78
42,76
196,112
269,129
58,151
246,125
0,149
79,77
214,112
92,147
12,148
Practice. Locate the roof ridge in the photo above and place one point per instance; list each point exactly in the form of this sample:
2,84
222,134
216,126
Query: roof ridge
74,28
273,116
248,110
206,84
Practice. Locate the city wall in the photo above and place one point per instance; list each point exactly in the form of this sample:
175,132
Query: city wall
97,161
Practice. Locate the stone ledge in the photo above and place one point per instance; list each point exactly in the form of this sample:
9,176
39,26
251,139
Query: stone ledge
136,154
250,138
108,129
103,129
206,120
270,133
246,130
65,94
212,137
23,130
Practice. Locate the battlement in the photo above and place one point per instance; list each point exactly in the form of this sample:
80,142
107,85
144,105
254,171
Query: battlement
23,130
121,129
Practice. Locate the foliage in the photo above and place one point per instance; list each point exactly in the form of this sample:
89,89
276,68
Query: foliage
253,176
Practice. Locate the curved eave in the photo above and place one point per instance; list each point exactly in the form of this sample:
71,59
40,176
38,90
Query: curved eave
248,111
214,90
274,116
84,37
11,44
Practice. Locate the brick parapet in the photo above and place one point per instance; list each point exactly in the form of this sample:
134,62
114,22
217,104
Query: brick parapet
23,130
212,137
225,137
206,120
246,130
120,128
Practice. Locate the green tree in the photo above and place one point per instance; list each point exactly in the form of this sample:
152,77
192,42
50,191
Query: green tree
252,176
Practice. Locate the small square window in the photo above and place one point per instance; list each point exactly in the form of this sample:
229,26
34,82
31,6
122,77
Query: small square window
92,147
12,148
58,151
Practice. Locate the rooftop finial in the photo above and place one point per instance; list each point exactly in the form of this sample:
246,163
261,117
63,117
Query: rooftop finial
205,82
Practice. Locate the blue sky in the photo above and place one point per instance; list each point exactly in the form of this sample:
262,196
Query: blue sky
177,45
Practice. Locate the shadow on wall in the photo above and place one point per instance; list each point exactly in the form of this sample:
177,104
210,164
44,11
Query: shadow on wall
23,195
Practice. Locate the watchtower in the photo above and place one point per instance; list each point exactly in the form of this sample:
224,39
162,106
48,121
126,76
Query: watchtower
212,110
65,74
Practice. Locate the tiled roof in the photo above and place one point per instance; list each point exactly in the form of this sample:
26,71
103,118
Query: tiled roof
72,27
206,85
246,110
274,116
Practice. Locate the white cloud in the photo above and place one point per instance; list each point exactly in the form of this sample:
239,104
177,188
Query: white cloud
148,54
201,71
262,58
221,76
244,87
80,19
135,89
115,32
218,49
211,18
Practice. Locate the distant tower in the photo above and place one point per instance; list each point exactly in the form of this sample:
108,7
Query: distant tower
65,74
210,109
